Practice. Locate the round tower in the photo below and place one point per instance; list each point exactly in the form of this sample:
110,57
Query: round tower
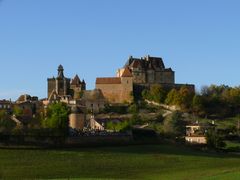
76,118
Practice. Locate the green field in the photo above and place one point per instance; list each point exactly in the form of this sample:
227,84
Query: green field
130,162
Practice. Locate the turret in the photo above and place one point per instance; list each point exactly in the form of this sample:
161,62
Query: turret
60,71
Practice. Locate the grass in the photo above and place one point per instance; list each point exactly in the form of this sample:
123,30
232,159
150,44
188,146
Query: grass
130,162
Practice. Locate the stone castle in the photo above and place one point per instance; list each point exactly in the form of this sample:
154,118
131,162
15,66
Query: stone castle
136,75
149,70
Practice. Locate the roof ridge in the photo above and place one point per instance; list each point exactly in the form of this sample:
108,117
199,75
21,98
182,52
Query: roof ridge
127,73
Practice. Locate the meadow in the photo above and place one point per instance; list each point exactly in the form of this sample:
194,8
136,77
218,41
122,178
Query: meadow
128,162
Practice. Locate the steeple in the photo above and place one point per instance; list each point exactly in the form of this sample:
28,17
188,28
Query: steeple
60,71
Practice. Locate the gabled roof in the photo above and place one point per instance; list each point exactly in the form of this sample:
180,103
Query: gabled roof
107,80
76,80
51,97
126,73
136,64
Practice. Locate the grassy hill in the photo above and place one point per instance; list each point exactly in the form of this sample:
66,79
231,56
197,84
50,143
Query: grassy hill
130,162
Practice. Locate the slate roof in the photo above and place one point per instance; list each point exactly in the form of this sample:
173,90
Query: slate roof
146,62
76,80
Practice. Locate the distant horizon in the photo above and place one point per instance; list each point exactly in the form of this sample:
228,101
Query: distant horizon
199,40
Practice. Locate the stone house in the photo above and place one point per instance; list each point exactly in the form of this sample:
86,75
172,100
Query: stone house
93,100
28,104
6,105
196,132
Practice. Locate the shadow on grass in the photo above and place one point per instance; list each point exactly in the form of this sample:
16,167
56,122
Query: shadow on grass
143,149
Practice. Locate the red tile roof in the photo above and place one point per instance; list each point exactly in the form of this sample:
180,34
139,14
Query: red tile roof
126,73
107,80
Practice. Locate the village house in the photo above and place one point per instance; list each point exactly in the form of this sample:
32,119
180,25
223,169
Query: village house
6,105
196,132
93,100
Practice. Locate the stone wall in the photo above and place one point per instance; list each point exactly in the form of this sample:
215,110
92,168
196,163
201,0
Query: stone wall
112,92
117,93
165,77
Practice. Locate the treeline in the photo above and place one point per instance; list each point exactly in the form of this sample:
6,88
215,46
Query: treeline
182,97
211,102
54,122
217,101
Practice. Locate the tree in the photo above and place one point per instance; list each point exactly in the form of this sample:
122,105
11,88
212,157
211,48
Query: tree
6,124
157,93
57,117
119,126
146,94
174,125
214,140
198,106
17,111
172,97
133,109
185,97
2,114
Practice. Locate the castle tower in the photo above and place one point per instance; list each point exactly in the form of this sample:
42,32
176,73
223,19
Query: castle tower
60,71
60,84
76,118
77,86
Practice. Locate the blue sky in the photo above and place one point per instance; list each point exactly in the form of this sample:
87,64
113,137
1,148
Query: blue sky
199,39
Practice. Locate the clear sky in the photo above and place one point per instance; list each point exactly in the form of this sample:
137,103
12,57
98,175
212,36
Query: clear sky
198,39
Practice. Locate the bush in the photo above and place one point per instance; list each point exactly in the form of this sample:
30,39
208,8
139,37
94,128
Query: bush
133,109
115,109
214,140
